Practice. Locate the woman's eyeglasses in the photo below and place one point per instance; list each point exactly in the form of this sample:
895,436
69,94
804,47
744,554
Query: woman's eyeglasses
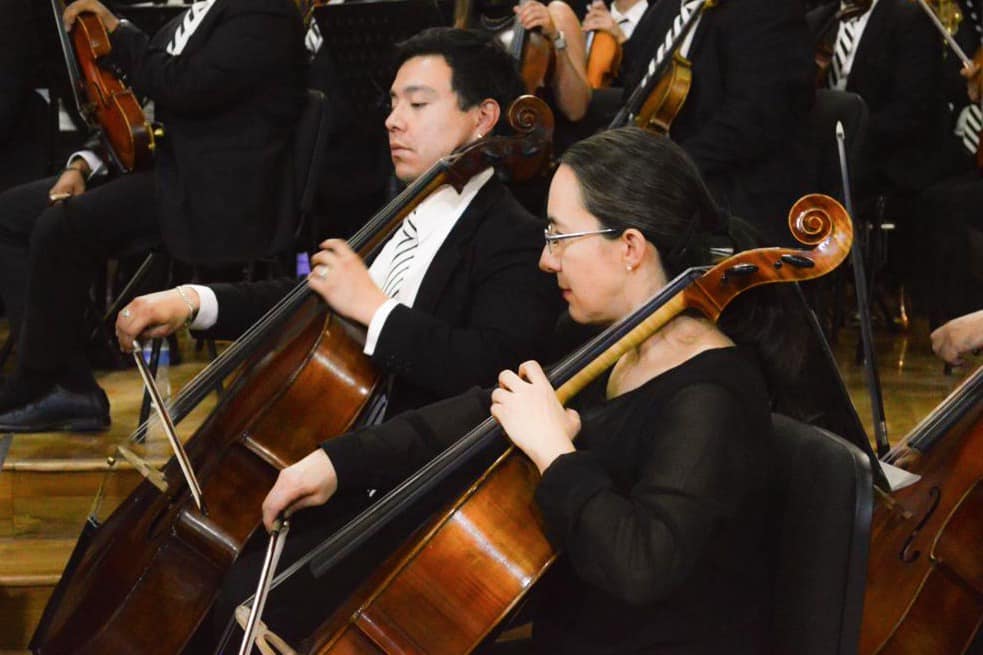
555,237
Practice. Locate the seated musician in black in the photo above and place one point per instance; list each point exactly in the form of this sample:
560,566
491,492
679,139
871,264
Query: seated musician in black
226,78
657,506
744,119
953,238
454,296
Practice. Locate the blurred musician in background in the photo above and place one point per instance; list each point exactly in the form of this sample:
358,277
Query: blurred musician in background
226,77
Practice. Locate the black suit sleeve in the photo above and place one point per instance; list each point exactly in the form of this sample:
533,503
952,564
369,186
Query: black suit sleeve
248,44
506,312
381,456
241,305
767,66
916,80
640,545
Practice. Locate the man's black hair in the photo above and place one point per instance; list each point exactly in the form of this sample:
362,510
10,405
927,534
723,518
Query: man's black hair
480,68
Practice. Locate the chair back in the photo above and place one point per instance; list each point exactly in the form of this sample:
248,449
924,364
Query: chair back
831,107
824,500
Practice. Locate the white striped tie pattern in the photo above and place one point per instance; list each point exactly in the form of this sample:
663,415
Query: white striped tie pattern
968,127
313,39
192,19
686,10
406,244
846,41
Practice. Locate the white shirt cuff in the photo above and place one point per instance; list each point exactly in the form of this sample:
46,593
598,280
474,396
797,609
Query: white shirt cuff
96,165
376,324
207,307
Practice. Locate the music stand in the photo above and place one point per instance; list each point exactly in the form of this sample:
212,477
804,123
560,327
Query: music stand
359,38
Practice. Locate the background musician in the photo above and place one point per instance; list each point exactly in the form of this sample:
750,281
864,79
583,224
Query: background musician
226,78
454,295
952,283
743,122
657,506
22,130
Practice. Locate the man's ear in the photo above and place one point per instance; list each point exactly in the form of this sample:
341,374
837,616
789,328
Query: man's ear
488,113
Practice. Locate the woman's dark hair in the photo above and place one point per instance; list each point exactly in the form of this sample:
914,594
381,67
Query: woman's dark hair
631,178
480,68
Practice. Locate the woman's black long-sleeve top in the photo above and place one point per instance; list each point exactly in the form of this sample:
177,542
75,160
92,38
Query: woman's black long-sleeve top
659,513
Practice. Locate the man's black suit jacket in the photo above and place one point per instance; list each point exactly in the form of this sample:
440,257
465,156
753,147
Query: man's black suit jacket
897,70
744,120
228,103
483,306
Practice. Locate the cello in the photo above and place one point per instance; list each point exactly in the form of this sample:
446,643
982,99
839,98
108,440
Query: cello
446,592
104,101
926,539
306,378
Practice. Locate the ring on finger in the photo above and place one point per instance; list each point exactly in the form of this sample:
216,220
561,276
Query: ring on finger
125,313
321,272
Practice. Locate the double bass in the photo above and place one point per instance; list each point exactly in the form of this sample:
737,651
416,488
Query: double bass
446,591
925,570
304,378
103,100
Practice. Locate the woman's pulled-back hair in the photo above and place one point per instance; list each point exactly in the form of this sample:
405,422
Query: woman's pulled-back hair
631,178
480,68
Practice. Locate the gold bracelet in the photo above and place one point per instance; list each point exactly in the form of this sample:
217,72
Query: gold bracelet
192,310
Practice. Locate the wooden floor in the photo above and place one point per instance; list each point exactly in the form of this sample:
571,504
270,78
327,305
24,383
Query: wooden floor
48,481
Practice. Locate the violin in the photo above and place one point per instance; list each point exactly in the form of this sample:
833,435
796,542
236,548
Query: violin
103,101
604,56
532,52
304,378
924,580
659,96
445,591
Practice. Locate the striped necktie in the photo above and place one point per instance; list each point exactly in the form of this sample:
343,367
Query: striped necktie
406,244
968,127
846,41
685,12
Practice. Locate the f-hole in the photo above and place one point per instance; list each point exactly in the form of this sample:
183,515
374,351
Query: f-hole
907,555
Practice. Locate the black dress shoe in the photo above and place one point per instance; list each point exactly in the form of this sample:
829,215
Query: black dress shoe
59,410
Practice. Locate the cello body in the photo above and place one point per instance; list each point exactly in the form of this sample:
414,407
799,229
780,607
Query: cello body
156,550
925,572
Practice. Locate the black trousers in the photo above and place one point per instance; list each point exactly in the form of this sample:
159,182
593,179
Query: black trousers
49,256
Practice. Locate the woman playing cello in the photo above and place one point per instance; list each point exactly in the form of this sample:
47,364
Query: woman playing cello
656,506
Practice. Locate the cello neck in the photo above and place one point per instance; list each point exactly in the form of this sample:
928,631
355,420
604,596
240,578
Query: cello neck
964,399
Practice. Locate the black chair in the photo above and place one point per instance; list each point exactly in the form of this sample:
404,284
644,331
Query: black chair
311,136
823,505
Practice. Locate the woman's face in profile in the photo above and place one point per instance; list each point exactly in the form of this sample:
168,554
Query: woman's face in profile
589,269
